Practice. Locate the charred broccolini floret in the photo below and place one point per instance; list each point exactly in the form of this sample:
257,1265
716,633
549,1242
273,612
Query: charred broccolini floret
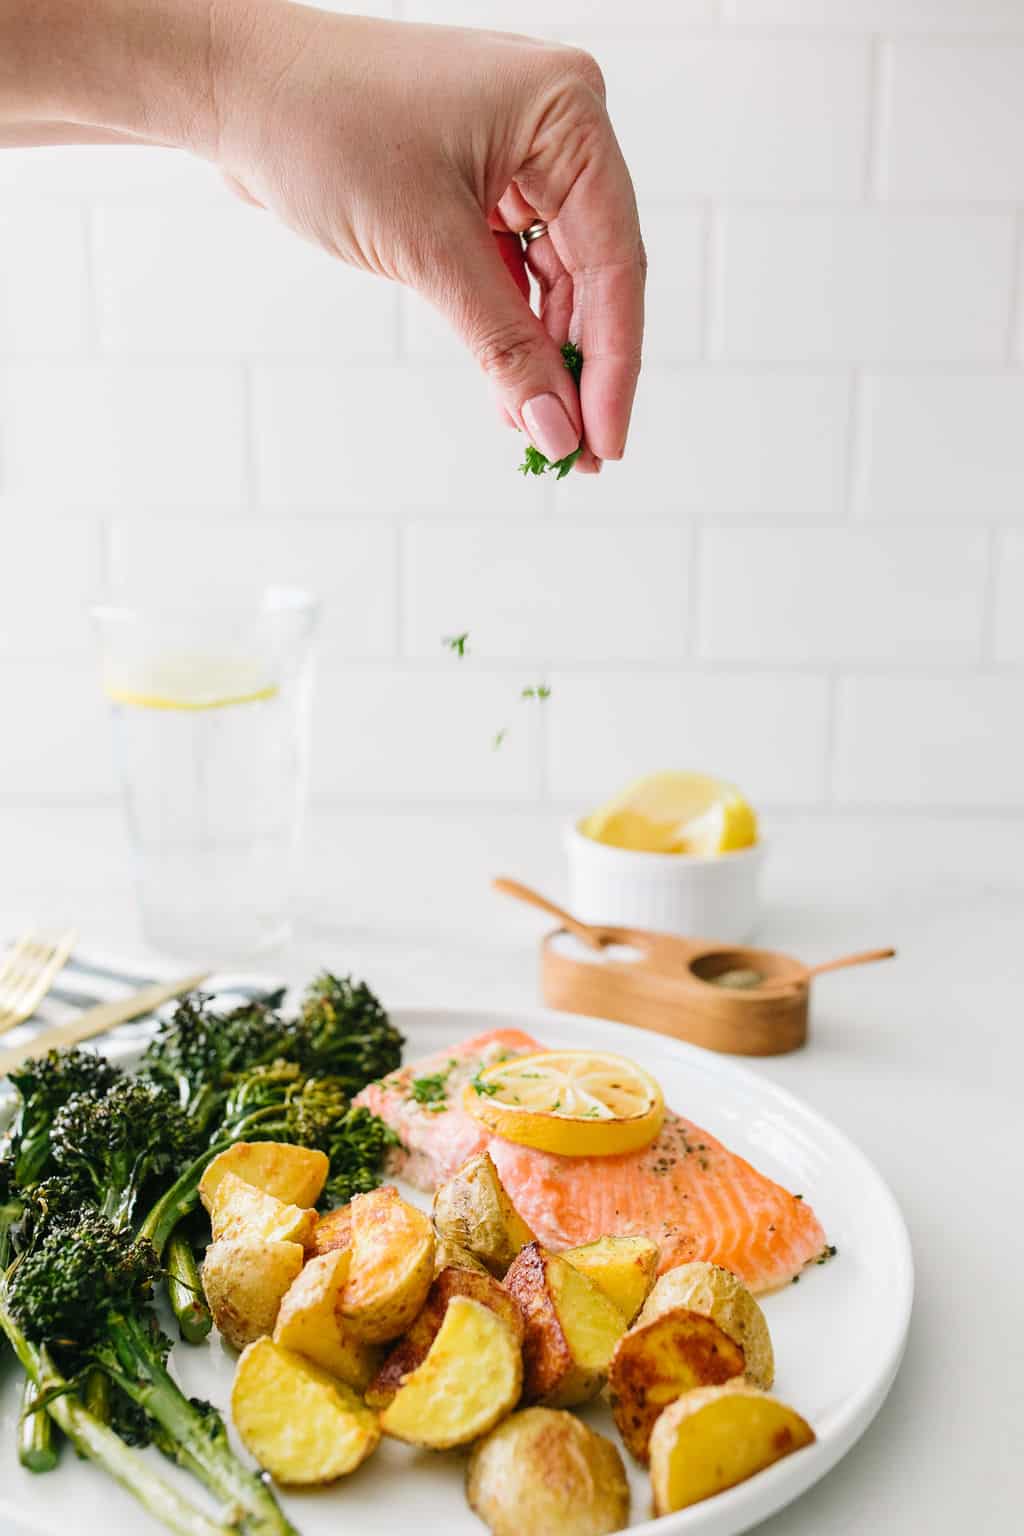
42,1087
82,1290
50,1276
319,1115
343,1032
10,1209
115,1141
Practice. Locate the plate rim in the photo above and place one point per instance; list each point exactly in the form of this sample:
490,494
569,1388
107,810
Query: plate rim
735,1509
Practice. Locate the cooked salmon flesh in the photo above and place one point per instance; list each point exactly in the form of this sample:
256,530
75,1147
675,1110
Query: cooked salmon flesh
686,1191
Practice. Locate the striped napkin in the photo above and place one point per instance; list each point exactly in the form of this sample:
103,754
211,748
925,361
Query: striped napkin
89,978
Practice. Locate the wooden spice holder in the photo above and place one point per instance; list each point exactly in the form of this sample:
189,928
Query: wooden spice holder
668,986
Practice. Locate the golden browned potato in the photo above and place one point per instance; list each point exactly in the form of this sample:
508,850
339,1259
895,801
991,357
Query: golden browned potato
301,1424
392,1266
718,1294
471,1378
473,1210
333,1230
310,1322
413,1348
572,1328
448,1255
242,1210
295,1175
543,1473
717,1437
244,1279
656,1362
624,1268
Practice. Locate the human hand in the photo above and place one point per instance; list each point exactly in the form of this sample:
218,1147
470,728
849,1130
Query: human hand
408,151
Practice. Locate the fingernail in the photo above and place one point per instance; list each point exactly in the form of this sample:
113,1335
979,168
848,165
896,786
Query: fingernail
552,431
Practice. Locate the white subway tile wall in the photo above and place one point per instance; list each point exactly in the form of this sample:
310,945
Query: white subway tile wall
808,573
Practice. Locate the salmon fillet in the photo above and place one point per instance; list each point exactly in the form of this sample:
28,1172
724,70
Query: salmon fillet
437,1135
686,1191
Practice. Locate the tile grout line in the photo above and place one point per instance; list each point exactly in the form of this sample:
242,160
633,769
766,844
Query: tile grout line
92,308
694,584
711,297
989,589
877,118
854,469
832,678
250,478
401,625
1015,326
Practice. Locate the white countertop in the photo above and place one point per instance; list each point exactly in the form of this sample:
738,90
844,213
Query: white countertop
919,1060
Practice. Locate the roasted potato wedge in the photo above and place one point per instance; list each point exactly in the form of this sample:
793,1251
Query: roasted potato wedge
310,1323
448,1255
718,1294
656,1362
410,1351
295,1175
624,1268
471,1378
473,1210
717,1437
244,1280
301,1424
333,1230
242,1210
392,1266
572,1328
544,1473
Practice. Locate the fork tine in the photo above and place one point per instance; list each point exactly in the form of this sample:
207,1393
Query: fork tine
28,974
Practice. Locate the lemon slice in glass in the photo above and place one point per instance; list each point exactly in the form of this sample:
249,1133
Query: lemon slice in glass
577,1103
675,813
191,683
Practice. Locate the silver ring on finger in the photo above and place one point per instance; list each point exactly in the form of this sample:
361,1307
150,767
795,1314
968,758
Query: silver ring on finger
535,232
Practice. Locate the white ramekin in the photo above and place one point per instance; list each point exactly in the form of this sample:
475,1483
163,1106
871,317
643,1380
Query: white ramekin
712,898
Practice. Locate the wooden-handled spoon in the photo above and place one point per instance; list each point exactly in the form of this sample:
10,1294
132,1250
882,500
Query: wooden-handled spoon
594,938
773,984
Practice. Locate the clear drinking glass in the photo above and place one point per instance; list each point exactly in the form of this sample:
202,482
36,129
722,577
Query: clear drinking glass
211,711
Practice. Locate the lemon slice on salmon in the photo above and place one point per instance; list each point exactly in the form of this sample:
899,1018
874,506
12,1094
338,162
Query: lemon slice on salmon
577,1103
675,813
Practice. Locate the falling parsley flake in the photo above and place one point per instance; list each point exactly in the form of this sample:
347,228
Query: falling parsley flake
499,738
536,691
456,643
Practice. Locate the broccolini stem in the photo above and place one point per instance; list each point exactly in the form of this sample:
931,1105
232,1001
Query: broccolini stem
182,1196
184,1290
37,1442
97,1443
96,1394
132,1360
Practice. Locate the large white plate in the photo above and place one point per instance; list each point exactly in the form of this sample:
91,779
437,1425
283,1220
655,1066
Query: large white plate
838,1335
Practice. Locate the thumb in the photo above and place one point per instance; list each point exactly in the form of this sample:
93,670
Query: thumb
473,287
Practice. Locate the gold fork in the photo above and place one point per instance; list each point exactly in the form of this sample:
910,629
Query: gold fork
28,972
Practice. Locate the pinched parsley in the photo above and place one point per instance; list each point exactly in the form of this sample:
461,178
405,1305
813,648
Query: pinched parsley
534,462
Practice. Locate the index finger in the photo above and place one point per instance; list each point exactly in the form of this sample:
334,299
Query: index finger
597,235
